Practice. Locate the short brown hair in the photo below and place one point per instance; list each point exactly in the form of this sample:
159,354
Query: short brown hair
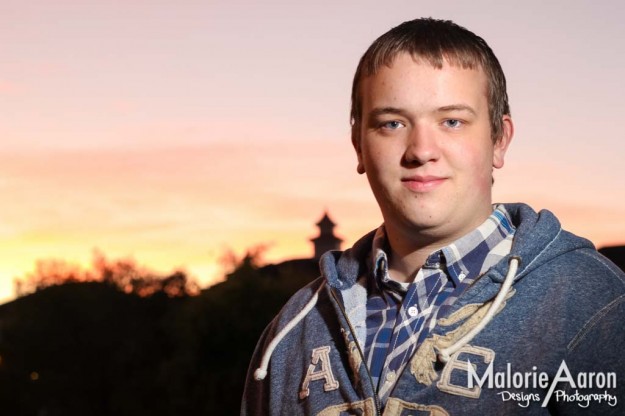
435,41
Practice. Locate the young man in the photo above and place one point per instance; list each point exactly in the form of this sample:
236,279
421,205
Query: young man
454,305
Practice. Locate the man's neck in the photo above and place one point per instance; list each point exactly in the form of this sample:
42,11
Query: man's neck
410,248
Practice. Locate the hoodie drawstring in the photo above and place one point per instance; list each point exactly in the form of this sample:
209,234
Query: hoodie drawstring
261,372
444,355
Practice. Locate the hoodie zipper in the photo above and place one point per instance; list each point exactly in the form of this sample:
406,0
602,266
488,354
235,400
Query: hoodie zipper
362,355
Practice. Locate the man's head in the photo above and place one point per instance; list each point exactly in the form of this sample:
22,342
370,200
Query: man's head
430,123
434,41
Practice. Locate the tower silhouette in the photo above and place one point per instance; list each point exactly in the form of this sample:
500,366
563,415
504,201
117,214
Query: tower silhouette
326,240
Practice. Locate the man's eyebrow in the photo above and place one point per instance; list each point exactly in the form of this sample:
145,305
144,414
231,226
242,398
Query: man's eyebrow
385,110
456,107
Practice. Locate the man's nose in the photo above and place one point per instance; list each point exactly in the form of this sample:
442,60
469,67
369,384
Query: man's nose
421,145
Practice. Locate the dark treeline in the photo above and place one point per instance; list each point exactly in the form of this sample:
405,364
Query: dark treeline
103,347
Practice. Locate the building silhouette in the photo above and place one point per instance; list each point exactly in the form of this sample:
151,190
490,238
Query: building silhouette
326,240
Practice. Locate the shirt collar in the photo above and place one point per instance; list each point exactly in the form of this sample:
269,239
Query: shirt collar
465,257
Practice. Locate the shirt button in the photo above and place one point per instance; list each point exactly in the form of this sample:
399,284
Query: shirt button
390,377
462,276
413,311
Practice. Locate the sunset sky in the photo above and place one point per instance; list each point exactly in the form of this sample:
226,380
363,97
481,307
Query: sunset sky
172,131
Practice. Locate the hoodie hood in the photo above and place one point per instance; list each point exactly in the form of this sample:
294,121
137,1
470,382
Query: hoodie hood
539,238
341,269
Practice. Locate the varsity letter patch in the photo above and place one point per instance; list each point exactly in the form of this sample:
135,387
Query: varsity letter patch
321,359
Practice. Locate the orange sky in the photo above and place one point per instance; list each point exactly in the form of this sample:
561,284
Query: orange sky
171,132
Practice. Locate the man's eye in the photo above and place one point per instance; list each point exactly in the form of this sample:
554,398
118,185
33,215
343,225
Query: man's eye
392,125
453,123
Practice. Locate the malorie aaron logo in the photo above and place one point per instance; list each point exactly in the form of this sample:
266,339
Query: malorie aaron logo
531,379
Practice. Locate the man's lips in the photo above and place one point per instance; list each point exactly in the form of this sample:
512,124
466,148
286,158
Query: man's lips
420,183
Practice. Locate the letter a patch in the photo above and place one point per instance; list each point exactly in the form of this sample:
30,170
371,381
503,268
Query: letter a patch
320,356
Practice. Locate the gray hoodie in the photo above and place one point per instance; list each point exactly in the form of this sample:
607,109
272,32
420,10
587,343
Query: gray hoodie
542,332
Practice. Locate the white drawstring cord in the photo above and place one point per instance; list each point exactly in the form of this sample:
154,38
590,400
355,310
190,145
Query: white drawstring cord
261,372
444,355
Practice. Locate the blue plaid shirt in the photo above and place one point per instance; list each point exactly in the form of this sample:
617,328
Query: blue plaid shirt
401,315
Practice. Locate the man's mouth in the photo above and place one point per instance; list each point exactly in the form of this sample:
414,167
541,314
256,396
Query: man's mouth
422,183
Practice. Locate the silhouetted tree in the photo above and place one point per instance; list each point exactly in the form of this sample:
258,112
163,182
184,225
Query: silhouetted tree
124,274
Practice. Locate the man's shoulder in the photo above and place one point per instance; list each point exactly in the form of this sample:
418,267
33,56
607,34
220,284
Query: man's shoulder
560,262
591,258
575,259
574,282
299,300
296,309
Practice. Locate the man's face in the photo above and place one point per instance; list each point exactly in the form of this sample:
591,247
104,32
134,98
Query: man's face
425,145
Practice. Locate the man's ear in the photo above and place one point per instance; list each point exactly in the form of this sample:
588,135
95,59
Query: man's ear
360,168
501,146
